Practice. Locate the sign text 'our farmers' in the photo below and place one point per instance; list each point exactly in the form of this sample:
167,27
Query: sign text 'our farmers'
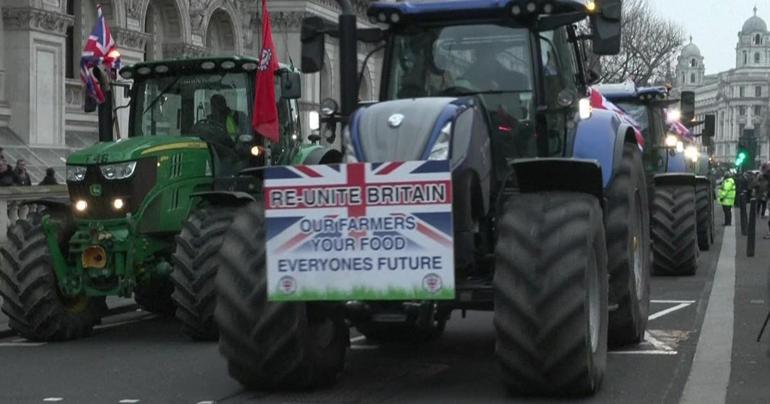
362,231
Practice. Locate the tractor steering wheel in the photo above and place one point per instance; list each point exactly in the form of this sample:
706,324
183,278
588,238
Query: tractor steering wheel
212,132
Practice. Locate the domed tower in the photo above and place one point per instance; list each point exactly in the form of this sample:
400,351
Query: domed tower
753,48
690,68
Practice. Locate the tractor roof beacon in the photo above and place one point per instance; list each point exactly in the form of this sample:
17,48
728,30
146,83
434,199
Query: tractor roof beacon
498,89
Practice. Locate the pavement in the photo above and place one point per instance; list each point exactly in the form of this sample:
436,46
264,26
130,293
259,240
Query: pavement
137,357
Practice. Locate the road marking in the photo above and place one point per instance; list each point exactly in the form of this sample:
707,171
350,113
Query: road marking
758,301
648,352
658,344
119,323
669,310
20,344
364,347
671,301
358,338
206,402
710,372
129,401
53,399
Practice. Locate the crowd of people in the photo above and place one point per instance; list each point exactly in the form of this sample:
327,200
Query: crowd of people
754,185
19,176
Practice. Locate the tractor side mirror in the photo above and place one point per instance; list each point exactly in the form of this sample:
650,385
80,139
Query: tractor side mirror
291,85
313,43
605,25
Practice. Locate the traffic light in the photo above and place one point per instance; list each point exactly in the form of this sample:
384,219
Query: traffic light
743,155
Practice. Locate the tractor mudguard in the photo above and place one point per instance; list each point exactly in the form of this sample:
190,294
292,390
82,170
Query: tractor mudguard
601,138
316,154
699,179
225,197
559,174
675,179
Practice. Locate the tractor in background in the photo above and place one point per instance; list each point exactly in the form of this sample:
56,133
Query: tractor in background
681,197
547,196
130,198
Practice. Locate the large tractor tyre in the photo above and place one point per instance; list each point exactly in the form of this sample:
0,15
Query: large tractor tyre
551,292
32,300
628,250
704,215
155,297
674,234
195,270
271,345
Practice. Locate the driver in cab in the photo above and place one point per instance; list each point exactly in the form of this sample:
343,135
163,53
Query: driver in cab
233,121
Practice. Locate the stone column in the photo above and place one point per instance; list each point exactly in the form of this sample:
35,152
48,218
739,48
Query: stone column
5,113
35,56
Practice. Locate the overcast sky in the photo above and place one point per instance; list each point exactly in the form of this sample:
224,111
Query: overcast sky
713,24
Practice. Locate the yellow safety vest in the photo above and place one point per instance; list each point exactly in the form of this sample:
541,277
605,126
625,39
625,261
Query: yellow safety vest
231,124
727,193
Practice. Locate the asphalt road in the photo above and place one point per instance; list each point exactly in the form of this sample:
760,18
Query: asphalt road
136,357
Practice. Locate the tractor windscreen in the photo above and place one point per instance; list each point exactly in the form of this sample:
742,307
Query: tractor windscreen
640,115
492,62
181,105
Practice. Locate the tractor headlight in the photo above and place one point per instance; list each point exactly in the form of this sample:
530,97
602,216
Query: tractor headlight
76,173
679,147
692,153
671,141
118,171
440,150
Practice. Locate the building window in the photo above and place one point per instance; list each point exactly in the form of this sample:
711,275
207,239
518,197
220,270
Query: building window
742,111
758,91
757,39
756,57
741,92
757,110
745,57
693,62
69,45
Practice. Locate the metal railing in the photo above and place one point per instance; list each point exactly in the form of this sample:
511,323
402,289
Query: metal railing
18,202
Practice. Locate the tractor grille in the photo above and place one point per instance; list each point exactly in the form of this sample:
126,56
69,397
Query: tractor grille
132,190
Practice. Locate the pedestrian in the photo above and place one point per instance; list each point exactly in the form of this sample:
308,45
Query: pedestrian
7,177
727,199
22,176
762,192
50,177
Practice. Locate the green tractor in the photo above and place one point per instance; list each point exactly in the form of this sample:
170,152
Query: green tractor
137,205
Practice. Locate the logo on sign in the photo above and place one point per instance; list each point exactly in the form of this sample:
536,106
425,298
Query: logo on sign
431,283
96,190
287,285
396,120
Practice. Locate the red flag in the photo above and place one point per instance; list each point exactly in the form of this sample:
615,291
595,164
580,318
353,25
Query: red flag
265,119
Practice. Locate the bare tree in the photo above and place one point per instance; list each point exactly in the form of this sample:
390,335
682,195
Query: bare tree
649,46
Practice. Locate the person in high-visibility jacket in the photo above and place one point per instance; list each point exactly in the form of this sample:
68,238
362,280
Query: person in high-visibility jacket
727,199
231,120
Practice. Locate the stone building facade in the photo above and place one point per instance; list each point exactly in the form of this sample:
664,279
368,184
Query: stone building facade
41,96
738,98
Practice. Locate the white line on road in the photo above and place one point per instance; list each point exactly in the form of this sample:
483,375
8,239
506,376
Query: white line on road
364,347
671,301
129,401
668,310
53,399
358,338
651,352
20,344
119,323
710,372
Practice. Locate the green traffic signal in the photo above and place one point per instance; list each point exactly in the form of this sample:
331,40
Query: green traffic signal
741,159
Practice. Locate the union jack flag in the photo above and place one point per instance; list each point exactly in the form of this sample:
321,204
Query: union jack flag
100,49
598,101
431,218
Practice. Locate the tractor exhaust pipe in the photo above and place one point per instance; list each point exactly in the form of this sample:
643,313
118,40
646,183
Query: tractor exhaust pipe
348,59
105,109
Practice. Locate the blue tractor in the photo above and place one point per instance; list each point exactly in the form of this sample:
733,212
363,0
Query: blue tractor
681,201
547,196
